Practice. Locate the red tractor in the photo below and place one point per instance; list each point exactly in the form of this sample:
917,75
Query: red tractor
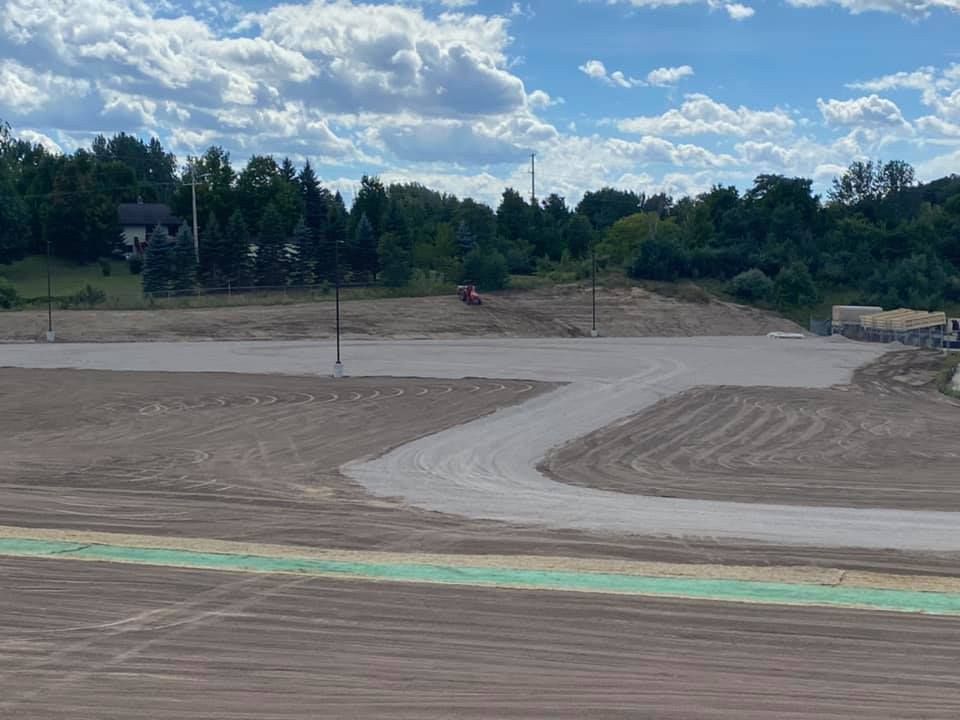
469,294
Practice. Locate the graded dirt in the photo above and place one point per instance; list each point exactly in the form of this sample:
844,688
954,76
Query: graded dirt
557,312
888,440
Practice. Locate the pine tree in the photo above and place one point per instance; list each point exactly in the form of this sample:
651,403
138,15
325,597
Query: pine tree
363,255
300,263
335,242
316,202
394,259
158,263
235,255
211,251
184,261
271,264
465,240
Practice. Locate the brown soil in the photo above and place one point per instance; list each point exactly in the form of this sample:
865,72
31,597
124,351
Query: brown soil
557,312
123,641
886,441
255,458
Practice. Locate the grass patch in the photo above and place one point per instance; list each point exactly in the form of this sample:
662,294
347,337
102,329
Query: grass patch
29,278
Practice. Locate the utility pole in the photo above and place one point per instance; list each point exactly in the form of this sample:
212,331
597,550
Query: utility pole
533,179
193,187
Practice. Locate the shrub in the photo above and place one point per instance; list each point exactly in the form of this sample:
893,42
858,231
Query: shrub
135,263
488,271
794,287
105,267
88,297
9,298
751,286
660,258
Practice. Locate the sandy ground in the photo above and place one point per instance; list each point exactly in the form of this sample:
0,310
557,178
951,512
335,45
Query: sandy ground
560,312
120,641
888,440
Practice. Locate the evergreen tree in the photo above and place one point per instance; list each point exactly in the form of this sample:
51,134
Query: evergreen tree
211,252
300,263
335,242
394,260
235,256
363,255
578,236
316,210
465,240
271,264
184,260
158,263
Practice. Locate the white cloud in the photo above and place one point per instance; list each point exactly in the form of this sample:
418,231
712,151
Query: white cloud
737,11
669,75
702,115
38,138
540,99
868,111
598,71
908,8
25,90
935,126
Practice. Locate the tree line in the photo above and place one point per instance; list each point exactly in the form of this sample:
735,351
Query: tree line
878,232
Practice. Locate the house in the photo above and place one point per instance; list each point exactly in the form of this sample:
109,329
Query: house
138,221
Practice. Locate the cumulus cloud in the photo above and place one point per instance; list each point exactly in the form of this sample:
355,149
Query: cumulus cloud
932,125
38,138
669,75
25,90
702,115
868,111
737,11
598,71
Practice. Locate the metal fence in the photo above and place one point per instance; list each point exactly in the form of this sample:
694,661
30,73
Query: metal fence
241,290
934,337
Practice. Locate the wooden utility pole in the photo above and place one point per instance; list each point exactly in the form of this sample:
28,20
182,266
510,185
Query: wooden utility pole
533,179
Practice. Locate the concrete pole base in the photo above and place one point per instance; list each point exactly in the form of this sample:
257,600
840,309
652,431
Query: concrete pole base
594,333
51,336
338,370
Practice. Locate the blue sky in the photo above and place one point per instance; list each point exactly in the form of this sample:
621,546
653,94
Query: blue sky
650,95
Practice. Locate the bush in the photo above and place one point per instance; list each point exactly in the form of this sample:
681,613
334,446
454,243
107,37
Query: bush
488,271
794,287
660,258
105,267
427,282
135,263
751,286
88,297
9,297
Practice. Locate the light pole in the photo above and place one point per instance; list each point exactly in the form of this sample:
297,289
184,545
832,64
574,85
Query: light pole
338,366
593,263
193,192
51,336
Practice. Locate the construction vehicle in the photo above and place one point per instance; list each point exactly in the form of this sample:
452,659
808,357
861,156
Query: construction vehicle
469,294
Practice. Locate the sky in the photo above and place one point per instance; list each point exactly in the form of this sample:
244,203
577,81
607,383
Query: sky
646,95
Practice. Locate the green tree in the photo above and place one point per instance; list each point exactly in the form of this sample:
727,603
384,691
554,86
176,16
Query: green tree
301,272
794,287
578,236
271,263
235,257
605,206
210,270
394,260
184,260
159,264
660,257
465,239
363,254
372,202
256,188
488,271
751,286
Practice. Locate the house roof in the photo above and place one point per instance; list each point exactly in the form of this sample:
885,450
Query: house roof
149,214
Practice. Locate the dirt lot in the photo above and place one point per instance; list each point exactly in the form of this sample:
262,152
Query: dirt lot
559,312
886,441
122,641
255,458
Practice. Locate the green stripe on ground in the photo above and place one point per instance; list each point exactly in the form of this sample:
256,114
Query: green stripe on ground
906,601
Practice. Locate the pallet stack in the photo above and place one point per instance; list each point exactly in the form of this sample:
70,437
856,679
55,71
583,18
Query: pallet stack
904,320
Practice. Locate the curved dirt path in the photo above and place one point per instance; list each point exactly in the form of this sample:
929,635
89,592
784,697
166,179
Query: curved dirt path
486,469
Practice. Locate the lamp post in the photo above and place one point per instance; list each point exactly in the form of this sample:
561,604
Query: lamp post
593,263
51,336
338,366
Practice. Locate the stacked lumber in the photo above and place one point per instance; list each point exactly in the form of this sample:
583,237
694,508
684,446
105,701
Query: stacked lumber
903,320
